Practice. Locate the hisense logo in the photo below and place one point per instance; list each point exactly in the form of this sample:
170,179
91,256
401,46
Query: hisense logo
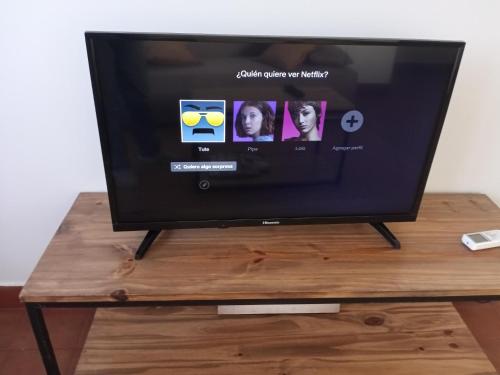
265,222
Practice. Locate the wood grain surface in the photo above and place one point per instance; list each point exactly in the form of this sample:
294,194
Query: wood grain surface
403,339
87,262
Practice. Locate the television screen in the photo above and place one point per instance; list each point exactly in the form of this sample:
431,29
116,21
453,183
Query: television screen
200,130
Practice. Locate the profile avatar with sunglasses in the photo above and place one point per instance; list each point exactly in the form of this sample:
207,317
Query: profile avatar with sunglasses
203,121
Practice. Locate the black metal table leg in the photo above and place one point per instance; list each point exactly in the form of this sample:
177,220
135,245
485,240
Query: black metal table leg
42,338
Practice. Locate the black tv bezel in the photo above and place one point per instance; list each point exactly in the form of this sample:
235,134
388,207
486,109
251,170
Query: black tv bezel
411,215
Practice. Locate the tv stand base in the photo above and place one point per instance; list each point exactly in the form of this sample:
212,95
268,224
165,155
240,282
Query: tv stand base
146,243
388,235
152,234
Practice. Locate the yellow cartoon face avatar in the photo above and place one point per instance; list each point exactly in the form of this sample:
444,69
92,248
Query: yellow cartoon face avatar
203,121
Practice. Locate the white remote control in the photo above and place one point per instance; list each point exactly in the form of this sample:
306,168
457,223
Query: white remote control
482,240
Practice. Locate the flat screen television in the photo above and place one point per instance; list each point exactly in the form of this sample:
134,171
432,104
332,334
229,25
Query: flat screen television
217,131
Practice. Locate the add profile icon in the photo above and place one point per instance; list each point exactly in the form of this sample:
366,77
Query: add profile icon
352,121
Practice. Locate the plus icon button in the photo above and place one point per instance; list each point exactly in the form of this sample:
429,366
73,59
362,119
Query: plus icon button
352,121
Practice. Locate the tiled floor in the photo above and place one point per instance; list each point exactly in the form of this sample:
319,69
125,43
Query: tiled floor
18,350
69,327
483,320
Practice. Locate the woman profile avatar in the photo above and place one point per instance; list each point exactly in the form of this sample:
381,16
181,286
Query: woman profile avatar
255,119
306,116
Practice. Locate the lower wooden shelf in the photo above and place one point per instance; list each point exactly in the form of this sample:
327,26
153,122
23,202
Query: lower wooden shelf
403,339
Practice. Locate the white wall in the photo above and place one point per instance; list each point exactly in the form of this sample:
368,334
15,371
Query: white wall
49,148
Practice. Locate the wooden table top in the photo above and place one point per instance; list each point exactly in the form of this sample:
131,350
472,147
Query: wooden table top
87,262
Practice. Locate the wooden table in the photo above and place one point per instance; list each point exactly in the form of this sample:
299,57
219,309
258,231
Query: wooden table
86,264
